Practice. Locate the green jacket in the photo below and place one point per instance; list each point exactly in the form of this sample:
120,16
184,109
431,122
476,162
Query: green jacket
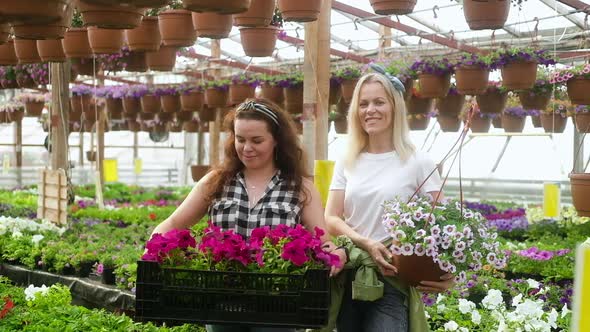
367,287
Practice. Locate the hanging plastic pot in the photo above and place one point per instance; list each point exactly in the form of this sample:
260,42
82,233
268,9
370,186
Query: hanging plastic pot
258,15
260,41
176,28
486,14
300,10
146,37
212,25
393,7
472,79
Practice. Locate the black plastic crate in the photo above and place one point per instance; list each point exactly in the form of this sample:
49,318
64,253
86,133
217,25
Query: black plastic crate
177,296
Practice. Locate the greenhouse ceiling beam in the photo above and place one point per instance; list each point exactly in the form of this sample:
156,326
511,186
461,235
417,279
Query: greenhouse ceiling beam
564,11
233,64
341,7
372,26
579,5
228,54
342,54
342,42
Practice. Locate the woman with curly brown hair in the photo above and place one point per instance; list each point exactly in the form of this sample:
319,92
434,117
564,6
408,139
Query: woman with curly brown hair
261,182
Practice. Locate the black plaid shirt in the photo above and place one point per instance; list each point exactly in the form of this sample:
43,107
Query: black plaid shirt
278,205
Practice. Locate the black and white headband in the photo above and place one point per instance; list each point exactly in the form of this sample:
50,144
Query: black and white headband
260,108
397,84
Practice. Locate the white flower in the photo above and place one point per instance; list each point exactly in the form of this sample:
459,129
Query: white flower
552,318
441,308
530,309
465,306
407,249
16,234
399,235
516,300
533,284
493,299
435,230
463,329
440,298
32,290
460,245
396,250
565,311
420,234
475,317
451,326
426,314
419,250
450,229
37,238
468,214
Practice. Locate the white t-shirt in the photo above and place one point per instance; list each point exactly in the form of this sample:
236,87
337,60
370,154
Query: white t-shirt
375,179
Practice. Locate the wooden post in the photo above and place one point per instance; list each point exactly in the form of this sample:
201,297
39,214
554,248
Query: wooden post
316,93
215,126
385,42
60,110
18,150
579,160
101,119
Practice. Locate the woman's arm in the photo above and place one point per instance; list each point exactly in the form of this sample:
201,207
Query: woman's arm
190,211
336,226
312,216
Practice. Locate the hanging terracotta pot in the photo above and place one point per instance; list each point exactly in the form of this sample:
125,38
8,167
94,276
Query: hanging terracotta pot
16,116
131,106
341,125
582,121
8,54
184,116
418,123
497,122
553,123
417,105
191,126
133,126
300,10
536,121
393,7
493,101
449,123
51,50
577,90
150,103
293,99
114,105
192,101
165,116
199,171
146,37
471,80
175,127
532,101
40,31
4,32
33,11
240,92
136,62
25,81
26,51
451,104
512,124
342,107
347,89
519,75
34,109
105,41
75,116
580,187
163,59
146,116
434,86
84,66
258,15
212,25
486,14
113,16
414,269
272,93
207,114
76,44
335,93
408,86
480,124
76,104
170,103
176,28
220,6
260,41
216,98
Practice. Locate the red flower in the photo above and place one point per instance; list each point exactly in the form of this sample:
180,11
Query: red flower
295,252
152,216
8,305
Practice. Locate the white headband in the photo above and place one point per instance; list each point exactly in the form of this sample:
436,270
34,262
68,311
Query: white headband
260,108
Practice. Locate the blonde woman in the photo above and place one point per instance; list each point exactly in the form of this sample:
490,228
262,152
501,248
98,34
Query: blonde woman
381,163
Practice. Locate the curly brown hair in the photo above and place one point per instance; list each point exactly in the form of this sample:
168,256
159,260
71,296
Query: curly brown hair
289,156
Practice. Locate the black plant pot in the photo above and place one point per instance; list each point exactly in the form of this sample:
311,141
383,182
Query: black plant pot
68,271
85,269
108,276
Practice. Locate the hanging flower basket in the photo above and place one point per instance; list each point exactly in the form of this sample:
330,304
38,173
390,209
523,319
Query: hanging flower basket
146,37
486,14
472,79
512,123
8,54
452,104
183,116
419,105
40,31
220,6
536,118
191,126
434,86
272,92
114,105
578,89
133,126
165,117
207,114
294,99
26,51
212,25
33,11
170,103
497,121
580,188
192,100
76,44
554,122
34,108
493,101
418,122
259,41
105,41
534,101
238,93
112,16
347,89
199,171
85,66
582,121
519,75
51,50
150,103
4,32
342,107
216,97
145,116
480,124
393,7
300,10
258,15
176,28
163,59
136,62
449,123
131,105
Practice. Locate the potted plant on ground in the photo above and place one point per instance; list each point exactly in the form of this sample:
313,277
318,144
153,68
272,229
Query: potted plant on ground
434,77
519,66
34,103
243,87
292,85
348,77
217,93
577,80
472,73
554,117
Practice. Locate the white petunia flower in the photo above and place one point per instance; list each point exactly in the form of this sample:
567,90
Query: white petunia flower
552,318
451,326
37,238
493,299
32,290
516,300
565,311
441,308
466,306
533,284
475,317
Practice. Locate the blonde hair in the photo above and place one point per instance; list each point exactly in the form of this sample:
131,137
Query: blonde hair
358,139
